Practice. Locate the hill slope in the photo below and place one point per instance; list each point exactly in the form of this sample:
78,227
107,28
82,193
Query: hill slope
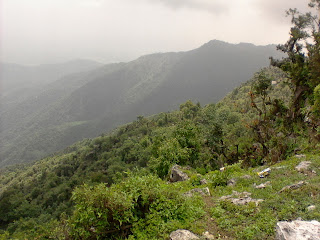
32,197
98,101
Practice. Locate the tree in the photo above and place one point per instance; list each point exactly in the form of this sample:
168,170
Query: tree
303,58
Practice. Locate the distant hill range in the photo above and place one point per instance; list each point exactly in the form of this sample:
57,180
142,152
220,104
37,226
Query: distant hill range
46,108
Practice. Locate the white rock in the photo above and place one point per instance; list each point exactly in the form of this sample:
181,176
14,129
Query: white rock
202,191
208,236
232,182
203,181
177,175
246,176
293,186
182,234
263,185
241,198
304,165
311,208
298,230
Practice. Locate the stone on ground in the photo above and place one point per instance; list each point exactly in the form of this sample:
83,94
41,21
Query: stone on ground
241,198
182,234
177,175
304,165
202,191
293,186
298,230
263,185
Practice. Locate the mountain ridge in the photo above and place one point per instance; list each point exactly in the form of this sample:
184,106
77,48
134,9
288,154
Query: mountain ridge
114,94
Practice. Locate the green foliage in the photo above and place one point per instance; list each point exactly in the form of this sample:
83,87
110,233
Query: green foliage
258,222
316,105
110,202
219,178
189,110
136,206
262,84
302,62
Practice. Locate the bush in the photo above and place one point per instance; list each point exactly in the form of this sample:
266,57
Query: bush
144,207
219,178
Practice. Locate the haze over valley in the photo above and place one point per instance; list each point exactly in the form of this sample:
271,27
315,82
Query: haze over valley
80,99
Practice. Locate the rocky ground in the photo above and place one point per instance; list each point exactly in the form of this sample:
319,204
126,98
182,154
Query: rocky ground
282,204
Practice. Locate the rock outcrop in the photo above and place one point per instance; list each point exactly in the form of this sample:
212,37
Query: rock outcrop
304,165
246,177
182,234
232,182
177,175
263,185
203,182
201,191
298,230
241,198
293,186
208,236
311,208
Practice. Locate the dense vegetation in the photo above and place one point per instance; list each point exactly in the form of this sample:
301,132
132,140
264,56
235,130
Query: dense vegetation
115,186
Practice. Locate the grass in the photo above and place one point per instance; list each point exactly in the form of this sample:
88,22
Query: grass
229,221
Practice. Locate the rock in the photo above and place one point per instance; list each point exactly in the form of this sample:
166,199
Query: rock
304,165
298,230
208,236
300,156
280,167
232,182
311,208
241,198
201,191
293,186
263,185
177,175
182,234
246,176
203,182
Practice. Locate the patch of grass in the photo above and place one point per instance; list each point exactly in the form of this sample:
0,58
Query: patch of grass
258,222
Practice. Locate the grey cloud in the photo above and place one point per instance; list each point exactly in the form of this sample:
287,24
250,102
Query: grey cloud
274,10
212,6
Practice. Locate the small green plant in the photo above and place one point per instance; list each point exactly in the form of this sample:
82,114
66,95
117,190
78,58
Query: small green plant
219,178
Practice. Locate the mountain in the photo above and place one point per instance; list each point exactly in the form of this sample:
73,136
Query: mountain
84,105
19,81
116,186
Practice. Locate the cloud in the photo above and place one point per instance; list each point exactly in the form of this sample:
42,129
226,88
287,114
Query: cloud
211,6
275,10
91,3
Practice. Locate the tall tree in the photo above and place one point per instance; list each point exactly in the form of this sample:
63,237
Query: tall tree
303,58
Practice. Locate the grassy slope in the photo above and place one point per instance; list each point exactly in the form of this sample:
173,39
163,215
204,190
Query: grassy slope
251,222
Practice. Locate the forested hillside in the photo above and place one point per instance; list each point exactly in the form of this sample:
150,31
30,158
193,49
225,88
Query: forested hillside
35,196
86,104
233,169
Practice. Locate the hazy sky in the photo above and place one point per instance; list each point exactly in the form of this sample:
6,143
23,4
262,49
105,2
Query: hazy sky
50,31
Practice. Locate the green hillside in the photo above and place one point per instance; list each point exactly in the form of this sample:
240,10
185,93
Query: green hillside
55,197
244,164
86,104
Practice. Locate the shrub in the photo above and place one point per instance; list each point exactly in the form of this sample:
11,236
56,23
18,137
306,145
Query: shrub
143,207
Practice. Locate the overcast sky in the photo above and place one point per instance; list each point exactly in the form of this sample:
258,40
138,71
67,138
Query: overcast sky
50,31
